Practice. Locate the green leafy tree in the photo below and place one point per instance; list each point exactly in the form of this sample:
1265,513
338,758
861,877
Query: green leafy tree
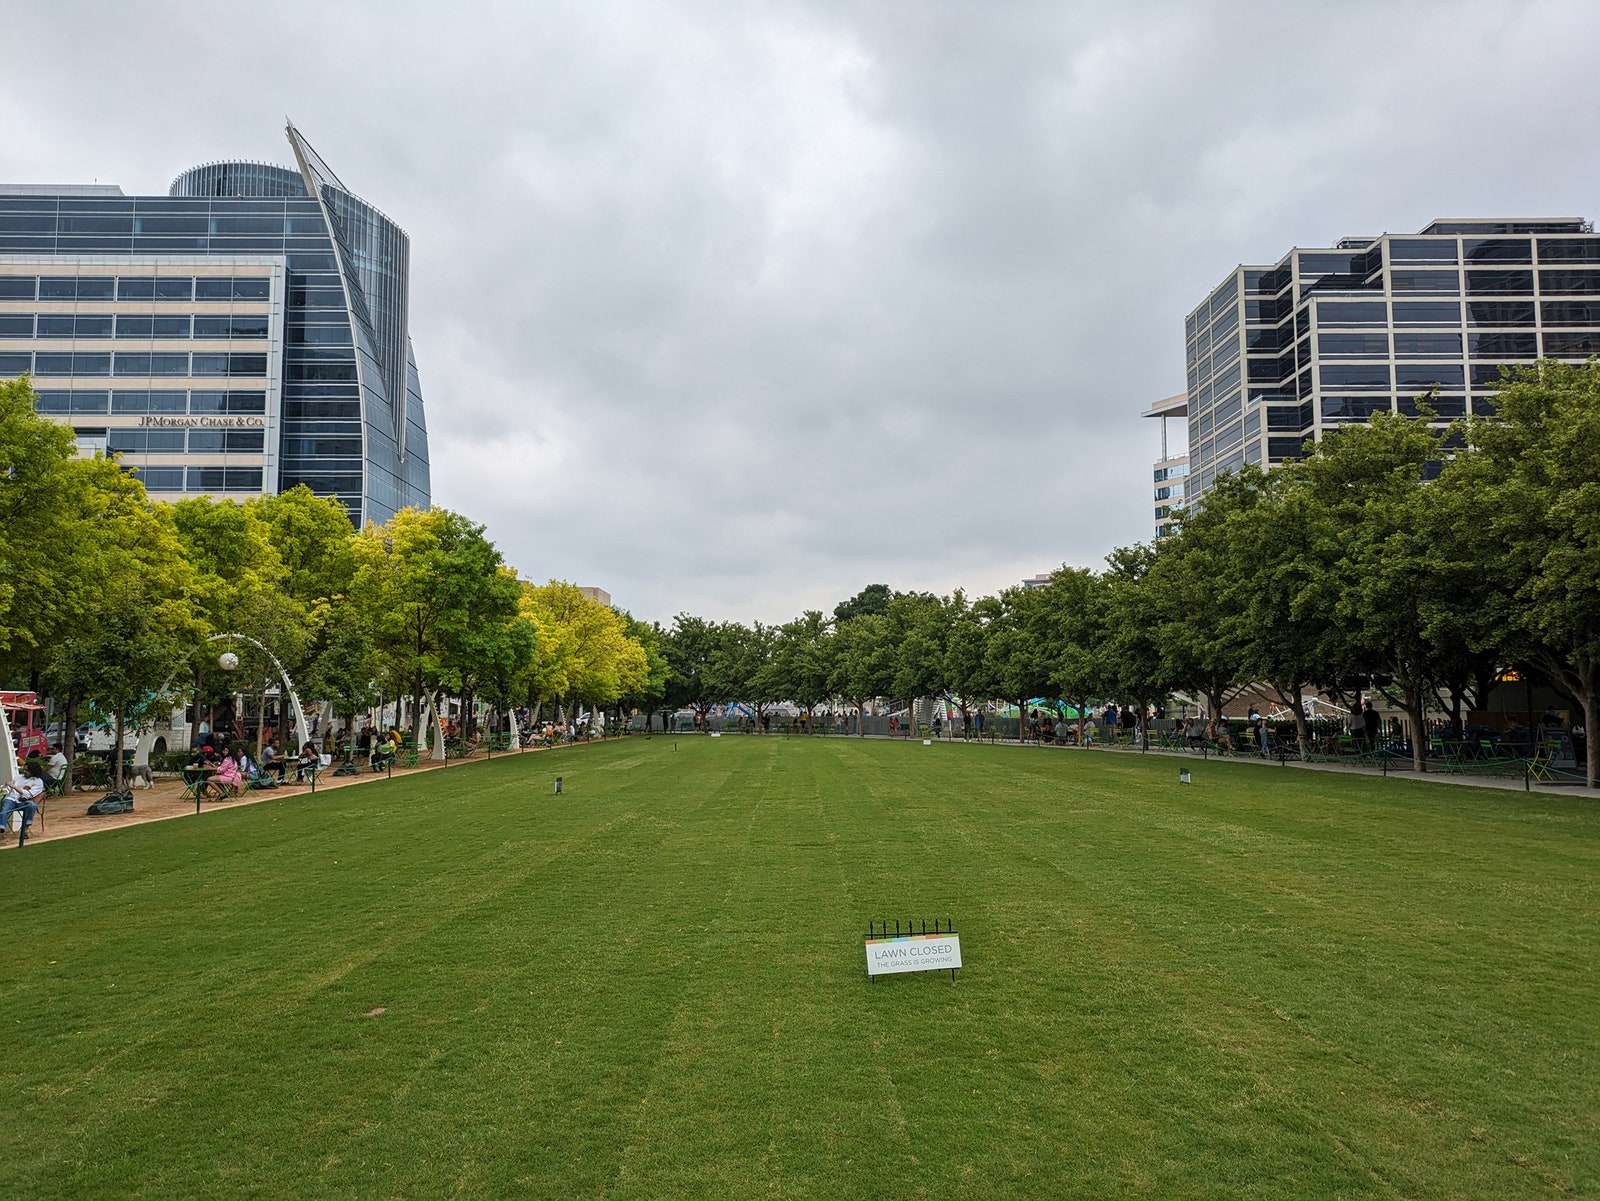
862,666
1371,482
873,599
802,660
690,647
1079,604
1535,471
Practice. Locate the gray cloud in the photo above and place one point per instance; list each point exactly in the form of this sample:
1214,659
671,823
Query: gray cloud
735,309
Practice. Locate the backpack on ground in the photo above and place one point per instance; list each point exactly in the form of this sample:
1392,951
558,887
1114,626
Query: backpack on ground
113,803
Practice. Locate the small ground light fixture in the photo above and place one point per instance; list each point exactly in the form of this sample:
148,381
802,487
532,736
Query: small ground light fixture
1183,778
558,784
927,742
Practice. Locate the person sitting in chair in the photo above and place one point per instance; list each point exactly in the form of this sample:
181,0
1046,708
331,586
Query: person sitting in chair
272,760
202,768
55,768
22,794
308,762
228,777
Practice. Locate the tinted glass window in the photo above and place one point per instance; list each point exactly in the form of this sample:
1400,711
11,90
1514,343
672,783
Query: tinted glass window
1557,250
1488,374
1426,345
1571,312
1499,283
1498,250
243,479
1582,283
92,327
1442,405
1428,375
1328,264
168,402
125,441
54,288
1425,281
213,289
1412,312
1422,250
130,402
1340,376
205,479
14,363
1571,344
1361,312
17,287
53,326
16,326
133,364
166,441
1285,448
207,402
91,364
171,327
251,288
1342,346
1500,312
1502,346
1262,339
174,289
134,327
161,479
247,402
136,289
204,441
169,364
90,402
251,364
245,440
96,288
1353,408
209,364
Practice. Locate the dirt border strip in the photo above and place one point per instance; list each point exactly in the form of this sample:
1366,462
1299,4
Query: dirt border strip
165,803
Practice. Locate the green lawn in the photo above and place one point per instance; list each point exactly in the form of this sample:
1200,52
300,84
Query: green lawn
1270,983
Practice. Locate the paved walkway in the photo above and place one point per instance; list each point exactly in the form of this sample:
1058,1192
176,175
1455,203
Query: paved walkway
1511,784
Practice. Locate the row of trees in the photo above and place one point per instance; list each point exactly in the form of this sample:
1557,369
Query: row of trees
104,594
1425,561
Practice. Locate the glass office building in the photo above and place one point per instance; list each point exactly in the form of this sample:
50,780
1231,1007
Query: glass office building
1278,354
245,333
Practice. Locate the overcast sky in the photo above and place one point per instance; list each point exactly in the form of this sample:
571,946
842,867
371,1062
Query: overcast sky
736,308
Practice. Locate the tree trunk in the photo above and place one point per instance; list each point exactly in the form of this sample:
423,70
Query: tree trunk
1591,715
194,722
69,738
116,751
1413,699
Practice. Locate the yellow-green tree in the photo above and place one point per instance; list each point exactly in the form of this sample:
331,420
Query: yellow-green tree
593,659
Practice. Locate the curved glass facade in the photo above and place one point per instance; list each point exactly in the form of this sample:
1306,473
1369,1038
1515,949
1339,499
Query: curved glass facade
238,180
351,422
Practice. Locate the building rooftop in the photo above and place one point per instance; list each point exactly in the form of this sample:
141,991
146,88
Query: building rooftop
1172,406
59,189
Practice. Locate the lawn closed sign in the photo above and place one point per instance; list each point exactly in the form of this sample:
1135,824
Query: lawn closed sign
913,953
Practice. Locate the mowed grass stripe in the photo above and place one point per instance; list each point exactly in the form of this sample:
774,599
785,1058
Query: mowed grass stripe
1267,983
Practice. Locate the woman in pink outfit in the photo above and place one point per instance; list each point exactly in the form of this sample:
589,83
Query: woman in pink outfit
228,775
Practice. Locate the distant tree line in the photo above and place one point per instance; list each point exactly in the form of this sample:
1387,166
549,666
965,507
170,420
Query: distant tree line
1426,560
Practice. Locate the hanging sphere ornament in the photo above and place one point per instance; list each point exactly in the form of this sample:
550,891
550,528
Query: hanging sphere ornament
228,661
